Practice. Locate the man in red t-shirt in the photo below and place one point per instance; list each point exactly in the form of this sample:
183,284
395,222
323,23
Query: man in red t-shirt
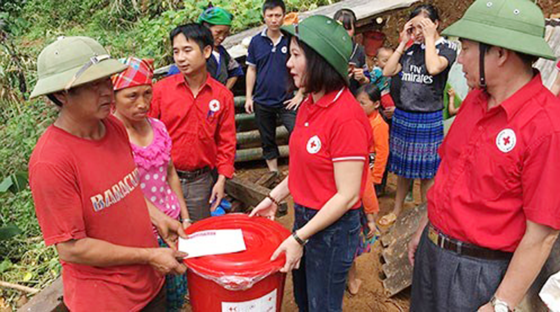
494,210
85,188
199,114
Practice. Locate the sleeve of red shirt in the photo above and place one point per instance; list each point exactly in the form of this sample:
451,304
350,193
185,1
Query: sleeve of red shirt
541,169
381,149
349,141
156,101
226,139
57,203
558,65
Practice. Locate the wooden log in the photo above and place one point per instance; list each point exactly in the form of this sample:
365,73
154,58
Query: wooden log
249,192
47,300
252,138
17,287
239,101
256,154
246,122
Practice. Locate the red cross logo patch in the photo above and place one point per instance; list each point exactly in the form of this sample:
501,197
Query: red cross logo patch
214,105
506,140
314,145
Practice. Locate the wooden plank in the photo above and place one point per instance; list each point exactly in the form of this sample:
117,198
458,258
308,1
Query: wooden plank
406,224
267,179
48,300
396,268
400,280
548,67
249,192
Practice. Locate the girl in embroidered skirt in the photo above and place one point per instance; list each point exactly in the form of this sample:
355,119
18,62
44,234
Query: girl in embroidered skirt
417,128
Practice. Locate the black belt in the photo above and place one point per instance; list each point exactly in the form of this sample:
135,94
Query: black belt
191,175
445,242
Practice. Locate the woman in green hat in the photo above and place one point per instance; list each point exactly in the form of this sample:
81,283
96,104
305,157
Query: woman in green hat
328,153
220,65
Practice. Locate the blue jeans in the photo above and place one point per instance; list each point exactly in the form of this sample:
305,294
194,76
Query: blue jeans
320,281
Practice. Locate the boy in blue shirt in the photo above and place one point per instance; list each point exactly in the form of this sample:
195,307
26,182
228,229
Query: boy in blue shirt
268,82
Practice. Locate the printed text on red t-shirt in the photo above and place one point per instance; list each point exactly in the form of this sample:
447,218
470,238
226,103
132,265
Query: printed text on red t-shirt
117,192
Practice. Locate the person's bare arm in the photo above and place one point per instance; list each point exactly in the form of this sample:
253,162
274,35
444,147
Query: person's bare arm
95,252
250,85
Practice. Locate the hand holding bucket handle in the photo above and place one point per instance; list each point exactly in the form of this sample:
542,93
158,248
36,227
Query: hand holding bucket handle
294,252
266,208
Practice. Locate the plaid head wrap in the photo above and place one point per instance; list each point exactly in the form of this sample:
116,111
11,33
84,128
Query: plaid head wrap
139,72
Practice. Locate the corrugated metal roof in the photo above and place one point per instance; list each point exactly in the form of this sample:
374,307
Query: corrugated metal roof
548,68
364,9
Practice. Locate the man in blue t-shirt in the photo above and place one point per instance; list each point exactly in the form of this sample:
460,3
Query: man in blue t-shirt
268,81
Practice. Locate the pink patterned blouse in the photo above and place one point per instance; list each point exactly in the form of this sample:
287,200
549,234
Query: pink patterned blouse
152,162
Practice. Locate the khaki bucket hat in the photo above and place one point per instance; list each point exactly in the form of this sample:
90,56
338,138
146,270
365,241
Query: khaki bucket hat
516,25
70,62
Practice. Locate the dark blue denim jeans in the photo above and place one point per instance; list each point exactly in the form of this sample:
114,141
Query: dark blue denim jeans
320,281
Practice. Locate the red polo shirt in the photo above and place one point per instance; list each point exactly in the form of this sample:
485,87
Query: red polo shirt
333,129
202,128
499,168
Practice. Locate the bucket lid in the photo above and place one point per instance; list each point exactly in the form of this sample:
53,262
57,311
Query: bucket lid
242,269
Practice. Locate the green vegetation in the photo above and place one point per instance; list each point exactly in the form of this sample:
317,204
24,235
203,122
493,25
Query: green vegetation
125,27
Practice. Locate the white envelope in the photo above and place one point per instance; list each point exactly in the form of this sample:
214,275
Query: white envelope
212,242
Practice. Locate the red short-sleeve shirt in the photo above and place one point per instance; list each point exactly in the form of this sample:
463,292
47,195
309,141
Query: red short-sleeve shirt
333,129
499,168
202,128
84,188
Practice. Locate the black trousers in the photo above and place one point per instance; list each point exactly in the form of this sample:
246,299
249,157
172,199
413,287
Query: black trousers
266,122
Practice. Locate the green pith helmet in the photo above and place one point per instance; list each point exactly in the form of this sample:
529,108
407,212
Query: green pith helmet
516,25
70,62
216,16
326,37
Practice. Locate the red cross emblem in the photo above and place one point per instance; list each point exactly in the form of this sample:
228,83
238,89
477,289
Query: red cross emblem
506,140
214,106
314,145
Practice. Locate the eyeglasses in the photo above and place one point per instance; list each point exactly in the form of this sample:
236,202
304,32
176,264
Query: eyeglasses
92,61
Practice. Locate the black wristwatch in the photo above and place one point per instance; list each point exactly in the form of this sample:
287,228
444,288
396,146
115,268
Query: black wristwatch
298,239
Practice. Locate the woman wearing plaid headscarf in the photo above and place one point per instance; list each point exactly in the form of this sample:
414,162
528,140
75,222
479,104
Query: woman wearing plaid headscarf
151,148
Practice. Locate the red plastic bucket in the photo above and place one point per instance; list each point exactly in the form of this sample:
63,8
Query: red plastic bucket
243,281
